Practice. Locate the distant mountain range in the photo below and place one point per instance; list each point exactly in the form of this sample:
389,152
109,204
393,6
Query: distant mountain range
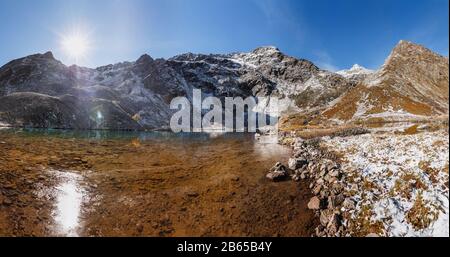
39,91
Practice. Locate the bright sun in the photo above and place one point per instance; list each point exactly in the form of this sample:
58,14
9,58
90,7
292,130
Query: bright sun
76,45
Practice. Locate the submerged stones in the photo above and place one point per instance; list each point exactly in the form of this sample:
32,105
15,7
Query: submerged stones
279,172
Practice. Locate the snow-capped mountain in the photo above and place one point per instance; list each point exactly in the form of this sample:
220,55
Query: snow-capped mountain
40,91
412,83
357,73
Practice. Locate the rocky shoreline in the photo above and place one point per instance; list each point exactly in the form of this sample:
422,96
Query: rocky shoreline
373,182
331,203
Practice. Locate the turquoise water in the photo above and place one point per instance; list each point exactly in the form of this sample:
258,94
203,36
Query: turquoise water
126,135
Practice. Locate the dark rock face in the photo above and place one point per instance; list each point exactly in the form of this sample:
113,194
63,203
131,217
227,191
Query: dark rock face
40,111
39,73
40,91
35,110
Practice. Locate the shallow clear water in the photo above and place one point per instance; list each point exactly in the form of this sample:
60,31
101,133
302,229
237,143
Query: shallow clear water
103,180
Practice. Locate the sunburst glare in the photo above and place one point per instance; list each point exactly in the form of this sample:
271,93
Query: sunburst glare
76,45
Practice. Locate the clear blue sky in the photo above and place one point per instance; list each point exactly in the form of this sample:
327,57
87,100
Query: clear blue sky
332,33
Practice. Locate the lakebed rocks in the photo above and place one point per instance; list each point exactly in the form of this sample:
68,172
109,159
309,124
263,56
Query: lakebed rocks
278,173
323,171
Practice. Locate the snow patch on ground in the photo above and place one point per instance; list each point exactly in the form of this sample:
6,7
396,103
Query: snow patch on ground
313,83
391,174
362,107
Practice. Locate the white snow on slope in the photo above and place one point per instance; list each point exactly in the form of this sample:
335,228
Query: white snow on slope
402,168
355,70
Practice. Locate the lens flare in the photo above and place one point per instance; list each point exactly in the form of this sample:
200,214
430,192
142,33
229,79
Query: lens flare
76,45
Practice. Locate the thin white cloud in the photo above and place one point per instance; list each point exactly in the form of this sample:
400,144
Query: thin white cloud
270,10
324,61
279,14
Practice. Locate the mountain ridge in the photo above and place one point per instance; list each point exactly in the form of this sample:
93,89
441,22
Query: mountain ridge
136,95
413,81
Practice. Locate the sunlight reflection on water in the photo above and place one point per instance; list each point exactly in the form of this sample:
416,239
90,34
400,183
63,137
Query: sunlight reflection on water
68,204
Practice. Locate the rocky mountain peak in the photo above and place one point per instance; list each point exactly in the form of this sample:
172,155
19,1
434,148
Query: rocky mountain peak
404,44
357,67
48,55
266,50
406,51
415,61
356,70
412,82
145,58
